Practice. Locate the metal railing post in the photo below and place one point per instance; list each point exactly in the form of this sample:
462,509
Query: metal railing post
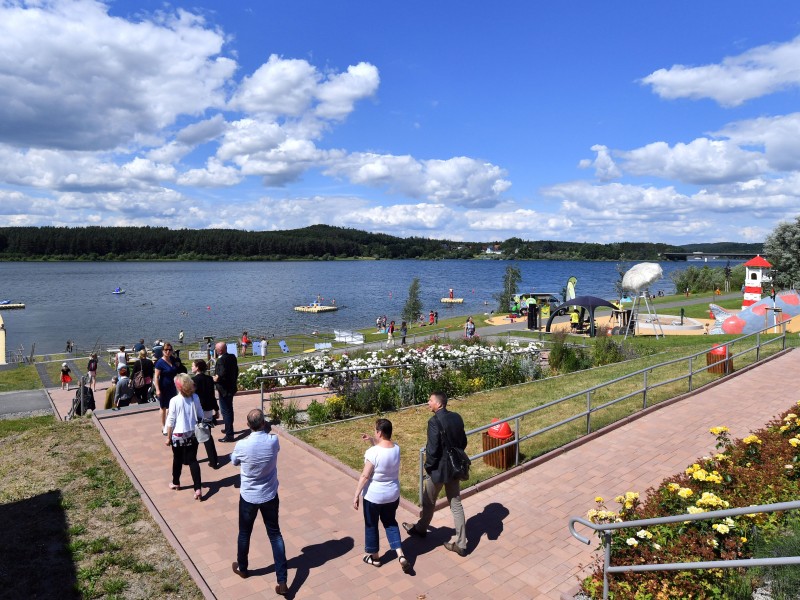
606,561
691,371
758,346
588,412
644,391
516,429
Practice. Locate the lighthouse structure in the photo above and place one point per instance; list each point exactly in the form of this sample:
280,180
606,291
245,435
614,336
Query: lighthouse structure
756,274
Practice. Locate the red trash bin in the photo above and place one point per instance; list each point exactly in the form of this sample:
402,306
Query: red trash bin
494,437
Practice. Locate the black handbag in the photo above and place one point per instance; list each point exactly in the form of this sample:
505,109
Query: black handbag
457,463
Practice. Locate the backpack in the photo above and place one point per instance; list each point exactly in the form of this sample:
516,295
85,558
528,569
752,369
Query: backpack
92,365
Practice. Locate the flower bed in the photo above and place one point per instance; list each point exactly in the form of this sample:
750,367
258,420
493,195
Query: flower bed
384,380
762,468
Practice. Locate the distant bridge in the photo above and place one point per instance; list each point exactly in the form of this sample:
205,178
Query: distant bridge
707,255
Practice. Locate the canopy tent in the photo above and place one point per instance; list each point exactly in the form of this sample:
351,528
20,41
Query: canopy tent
589,303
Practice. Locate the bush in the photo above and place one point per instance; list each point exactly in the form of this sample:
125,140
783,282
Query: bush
275,408
317,413
567,358
608,351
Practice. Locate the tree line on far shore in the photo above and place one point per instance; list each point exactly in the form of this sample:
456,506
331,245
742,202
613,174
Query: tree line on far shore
317,242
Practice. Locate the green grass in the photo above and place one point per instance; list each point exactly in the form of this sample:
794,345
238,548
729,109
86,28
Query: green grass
338,439
21,378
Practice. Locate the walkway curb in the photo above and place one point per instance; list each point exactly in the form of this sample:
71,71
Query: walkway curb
154,512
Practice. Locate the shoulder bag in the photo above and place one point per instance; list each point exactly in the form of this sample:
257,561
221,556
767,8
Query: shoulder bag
457,462
202,431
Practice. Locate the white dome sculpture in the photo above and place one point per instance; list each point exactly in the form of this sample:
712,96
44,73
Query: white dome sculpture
639,277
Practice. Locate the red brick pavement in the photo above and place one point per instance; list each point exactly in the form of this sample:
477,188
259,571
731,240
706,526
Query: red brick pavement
518,539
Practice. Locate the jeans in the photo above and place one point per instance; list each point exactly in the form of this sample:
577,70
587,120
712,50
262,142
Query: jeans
247,517
453,490
211,452
226,408
386,514
186,455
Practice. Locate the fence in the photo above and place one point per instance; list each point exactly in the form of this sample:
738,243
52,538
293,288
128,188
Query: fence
605,530
610,401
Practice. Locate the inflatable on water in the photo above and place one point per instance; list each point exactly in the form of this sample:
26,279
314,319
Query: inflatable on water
118,291
453,300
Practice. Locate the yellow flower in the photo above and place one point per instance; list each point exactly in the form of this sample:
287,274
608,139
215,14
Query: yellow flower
743,540
751,439
719,430
720,528
714,477
644,534
794,442
713,543
685,492
789,417
783,428
709,500
700,475
598,499
673,487
693,510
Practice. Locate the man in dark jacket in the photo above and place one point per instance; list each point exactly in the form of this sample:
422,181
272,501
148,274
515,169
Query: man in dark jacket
452,426
226,378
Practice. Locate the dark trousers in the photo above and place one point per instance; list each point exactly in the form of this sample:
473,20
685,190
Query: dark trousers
247,517
385,513
211,451
186,455
226,408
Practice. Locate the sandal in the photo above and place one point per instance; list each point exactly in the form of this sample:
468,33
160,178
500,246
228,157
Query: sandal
404,564
371,561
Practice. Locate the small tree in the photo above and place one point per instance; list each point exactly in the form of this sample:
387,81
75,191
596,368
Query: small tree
782,248
511,281
413,306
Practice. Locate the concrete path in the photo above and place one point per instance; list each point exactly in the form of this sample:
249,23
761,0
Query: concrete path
519,545
22,403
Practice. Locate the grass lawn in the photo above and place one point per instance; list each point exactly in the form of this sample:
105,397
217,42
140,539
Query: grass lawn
338,439
21,378
74,526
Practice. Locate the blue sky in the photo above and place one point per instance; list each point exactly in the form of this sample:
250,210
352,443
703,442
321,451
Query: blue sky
582,121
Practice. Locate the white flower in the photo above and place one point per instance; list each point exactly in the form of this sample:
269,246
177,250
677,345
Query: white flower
632,542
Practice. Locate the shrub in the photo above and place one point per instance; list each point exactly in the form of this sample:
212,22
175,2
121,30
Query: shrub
275,408
289,415
607,351
317,413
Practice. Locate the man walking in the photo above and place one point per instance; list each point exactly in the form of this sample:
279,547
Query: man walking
451,426
226,378
258,456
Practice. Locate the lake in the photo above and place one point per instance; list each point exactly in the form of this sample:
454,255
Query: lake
73,300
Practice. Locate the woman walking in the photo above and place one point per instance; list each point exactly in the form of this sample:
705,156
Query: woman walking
204,388
380,485
185,412
164,379
91,369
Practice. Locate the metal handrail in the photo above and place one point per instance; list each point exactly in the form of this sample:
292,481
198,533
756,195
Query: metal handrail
605,529
692,370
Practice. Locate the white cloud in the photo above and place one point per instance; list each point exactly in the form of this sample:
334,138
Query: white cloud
779,136
279,87
73,77
459,181
338,95
604,167
757,72
389,219
215,174
701,161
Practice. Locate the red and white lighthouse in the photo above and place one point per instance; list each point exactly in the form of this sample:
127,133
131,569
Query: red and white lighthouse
756,274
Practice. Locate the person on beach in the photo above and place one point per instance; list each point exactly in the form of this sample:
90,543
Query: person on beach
431,318
138,346
469,328
146,367
258,456
380,486
226,378
121,359
390,335
124,389
245,342
111,392
185,412
65,376
443,424
164,380
91,369
436,317
403,333
264,344
204,388
574,320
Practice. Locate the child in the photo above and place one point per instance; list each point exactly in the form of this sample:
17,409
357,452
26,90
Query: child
65,376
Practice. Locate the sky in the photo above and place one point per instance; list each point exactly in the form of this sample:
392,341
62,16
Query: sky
674,122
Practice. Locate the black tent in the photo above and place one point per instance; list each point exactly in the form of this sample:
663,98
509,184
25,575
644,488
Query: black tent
589,303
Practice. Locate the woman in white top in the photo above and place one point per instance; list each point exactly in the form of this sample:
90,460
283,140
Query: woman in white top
183,414
380,485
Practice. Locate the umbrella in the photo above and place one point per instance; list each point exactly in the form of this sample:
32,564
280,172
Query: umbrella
589,303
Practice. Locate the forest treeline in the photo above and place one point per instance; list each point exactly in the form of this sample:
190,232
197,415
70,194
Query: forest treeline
317,242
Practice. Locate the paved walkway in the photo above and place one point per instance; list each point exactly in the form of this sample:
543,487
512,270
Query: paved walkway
519,545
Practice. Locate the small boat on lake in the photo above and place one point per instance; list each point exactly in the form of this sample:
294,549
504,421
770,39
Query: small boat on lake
316,308
118,291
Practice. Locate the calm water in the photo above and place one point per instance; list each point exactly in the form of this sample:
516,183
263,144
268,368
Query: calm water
74,300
